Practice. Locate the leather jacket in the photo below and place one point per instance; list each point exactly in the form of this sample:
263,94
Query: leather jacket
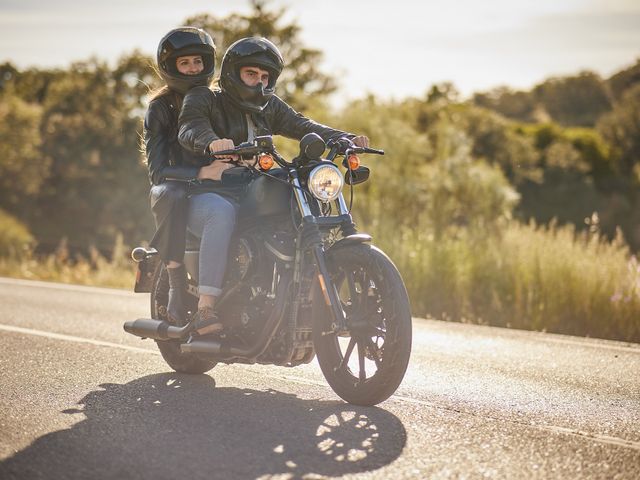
166,159
209,115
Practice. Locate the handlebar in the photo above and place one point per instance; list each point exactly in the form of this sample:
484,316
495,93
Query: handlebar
247,148
355,149
342,146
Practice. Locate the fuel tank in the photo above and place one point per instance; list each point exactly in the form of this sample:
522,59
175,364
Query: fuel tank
267,196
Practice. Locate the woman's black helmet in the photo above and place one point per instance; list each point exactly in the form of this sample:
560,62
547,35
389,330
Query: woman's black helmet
180,42
252,51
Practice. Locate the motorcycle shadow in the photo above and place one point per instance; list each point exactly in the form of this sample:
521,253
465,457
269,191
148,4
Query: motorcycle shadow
172,425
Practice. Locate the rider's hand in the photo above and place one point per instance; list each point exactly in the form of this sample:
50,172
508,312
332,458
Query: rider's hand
222,144
361,141
214,170
247,162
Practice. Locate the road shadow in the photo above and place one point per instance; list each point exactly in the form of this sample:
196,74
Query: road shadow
181,426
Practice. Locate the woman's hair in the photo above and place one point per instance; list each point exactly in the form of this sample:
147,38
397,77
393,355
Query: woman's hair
158,92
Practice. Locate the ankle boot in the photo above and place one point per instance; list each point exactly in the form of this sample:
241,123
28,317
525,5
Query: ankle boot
206,322
177,305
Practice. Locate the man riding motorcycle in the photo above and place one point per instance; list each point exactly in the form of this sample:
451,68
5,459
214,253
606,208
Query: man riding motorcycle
244,107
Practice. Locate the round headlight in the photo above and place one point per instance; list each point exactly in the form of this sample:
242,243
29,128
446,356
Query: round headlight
325,182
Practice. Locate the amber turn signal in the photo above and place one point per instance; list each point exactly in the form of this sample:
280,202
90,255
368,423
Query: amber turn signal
354,162
265,161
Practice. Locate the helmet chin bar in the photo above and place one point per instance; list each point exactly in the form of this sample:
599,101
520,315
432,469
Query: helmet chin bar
251,99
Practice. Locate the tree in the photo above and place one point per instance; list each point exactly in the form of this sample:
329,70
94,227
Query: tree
301,81
621,128
81,127
574,101
22,168
624,79
517,105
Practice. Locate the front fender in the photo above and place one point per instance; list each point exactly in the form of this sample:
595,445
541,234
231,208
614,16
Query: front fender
351,240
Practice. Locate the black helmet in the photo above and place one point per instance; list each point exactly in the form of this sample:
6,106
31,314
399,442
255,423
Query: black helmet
178,43
252,51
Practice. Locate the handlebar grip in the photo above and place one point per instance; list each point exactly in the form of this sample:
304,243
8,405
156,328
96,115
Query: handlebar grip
373,150
232,151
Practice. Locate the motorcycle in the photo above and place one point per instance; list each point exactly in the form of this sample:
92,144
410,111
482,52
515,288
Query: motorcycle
301,281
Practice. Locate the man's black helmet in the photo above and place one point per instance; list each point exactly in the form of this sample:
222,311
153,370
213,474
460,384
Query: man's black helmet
178,43
252,51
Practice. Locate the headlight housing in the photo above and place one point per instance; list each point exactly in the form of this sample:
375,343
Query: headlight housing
325,182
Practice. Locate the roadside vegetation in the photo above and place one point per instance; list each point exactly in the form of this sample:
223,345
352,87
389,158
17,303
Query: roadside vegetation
512,208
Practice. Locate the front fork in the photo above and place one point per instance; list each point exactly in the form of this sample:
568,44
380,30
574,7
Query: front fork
311,239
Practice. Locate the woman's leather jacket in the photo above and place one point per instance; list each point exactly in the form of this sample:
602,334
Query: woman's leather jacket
165,157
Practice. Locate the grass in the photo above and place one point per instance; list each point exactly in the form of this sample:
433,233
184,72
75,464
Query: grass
545,278
96,270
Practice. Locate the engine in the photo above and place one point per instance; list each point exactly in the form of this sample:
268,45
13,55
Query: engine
249,298
253,273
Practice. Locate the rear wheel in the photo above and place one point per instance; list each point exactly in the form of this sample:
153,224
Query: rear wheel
365,364
170,349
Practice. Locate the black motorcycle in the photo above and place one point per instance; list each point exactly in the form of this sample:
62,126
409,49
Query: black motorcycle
300,281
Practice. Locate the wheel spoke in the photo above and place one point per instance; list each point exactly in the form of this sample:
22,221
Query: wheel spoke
375,352
347,353
363,374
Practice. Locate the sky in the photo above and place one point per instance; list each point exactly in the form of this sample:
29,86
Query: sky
392,48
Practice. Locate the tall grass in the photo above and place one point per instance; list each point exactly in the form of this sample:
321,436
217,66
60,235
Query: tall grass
116,272
546,278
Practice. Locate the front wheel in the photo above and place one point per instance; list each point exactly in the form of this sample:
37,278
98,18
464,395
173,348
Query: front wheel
365,364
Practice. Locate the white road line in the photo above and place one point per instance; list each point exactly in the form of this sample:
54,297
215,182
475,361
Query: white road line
71,338
66,286
619,442
539,336
513,334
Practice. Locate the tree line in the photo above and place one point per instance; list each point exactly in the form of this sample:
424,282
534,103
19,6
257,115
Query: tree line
568,149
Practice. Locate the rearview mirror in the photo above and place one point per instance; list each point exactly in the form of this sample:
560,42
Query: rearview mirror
359,175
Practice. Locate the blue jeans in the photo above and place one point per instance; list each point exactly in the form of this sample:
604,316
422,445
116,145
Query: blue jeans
212,218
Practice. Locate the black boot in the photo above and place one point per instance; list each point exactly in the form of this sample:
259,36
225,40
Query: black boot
177,305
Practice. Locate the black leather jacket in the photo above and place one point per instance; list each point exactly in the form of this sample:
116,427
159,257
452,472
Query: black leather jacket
209,115
166,159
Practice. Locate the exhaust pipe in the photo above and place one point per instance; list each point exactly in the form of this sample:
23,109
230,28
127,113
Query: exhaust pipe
155,329
212,347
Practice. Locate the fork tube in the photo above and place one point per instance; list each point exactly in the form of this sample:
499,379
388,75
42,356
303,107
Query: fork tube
342,205
328,290
303,204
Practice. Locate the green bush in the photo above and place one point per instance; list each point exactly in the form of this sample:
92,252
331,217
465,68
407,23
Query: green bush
20,261
15,238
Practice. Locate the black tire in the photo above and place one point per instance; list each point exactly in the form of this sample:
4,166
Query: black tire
170,349
380,337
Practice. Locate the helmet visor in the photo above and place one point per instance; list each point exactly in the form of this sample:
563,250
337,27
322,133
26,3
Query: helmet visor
184,38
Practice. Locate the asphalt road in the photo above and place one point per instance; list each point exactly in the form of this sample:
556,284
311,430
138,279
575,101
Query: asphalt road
79,398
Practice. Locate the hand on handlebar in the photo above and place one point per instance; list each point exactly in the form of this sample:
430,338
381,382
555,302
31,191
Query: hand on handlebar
361,141
358,144
221,145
